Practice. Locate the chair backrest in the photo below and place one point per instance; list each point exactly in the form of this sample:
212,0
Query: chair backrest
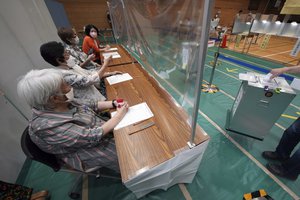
33,152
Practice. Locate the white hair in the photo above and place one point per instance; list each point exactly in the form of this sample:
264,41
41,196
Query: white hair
37,86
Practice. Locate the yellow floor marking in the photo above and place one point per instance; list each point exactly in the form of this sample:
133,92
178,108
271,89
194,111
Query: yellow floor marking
289,116
232,70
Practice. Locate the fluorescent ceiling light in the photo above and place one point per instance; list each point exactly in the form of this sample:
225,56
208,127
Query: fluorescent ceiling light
248,23
294,23
278,22
264,21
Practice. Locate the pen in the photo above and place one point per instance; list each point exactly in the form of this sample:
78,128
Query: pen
143,127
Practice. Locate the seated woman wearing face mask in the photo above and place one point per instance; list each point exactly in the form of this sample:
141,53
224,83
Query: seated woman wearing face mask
71,41
80,79
91,43
69,37
68,130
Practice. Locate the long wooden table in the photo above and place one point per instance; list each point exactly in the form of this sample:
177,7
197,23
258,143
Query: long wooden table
157,157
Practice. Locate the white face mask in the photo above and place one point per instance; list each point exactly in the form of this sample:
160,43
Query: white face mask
70,95
93,34
71,62
76,40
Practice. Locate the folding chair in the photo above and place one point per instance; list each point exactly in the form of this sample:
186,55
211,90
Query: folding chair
33,152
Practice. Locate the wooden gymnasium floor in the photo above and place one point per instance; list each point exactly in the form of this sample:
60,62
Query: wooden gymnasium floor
278,49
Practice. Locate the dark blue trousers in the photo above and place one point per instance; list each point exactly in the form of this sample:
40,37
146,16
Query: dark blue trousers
288,141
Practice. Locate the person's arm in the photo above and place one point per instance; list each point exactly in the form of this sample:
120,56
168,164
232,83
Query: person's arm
107,47
110,124
278,71
79,81
103,67
106,74
103,105
87,61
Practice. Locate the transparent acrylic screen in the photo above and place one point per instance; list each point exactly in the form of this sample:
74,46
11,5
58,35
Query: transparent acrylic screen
163,35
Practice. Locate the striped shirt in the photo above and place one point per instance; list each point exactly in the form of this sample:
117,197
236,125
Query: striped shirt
75,137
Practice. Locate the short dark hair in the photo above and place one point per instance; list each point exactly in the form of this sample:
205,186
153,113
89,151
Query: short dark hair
65,34
51,51
88,29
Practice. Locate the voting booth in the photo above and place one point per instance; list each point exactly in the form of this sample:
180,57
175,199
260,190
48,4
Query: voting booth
258,105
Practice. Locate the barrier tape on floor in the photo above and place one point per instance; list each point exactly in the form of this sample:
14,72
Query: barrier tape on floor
256,194
238,62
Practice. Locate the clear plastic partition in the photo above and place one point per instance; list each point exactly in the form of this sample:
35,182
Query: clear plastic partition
291,29
242,24
169,38
266,24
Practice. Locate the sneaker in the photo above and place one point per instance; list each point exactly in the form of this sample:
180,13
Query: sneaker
271,155
277,169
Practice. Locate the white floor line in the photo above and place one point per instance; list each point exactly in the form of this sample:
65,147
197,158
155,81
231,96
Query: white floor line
185,192
281,184
274,54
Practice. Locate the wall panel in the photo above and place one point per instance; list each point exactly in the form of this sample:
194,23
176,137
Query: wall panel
229,9
90,12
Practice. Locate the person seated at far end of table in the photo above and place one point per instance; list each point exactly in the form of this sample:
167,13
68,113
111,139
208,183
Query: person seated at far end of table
91,43
71,131
70,38
71,41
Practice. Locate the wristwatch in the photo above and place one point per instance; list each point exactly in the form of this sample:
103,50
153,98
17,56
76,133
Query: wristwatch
113,103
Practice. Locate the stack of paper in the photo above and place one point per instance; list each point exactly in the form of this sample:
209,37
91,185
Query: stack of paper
113,49
118,78
113,54
135,114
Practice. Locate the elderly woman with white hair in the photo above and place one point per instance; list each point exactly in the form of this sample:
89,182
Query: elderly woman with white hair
72,132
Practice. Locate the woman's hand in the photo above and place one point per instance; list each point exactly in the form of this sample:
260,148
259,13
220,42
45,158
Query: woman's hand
107,47
107,60
91,57
117,72
277,72
122,109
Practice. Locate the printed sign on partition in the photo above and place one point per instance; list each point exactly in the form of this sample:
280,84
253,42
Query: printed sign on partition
296,49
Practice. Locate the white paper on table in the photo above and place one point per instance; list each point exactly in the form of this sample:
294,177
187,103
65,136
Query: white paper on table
267,77
118,78
247,77
295,84
134,114
112,49
113,54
